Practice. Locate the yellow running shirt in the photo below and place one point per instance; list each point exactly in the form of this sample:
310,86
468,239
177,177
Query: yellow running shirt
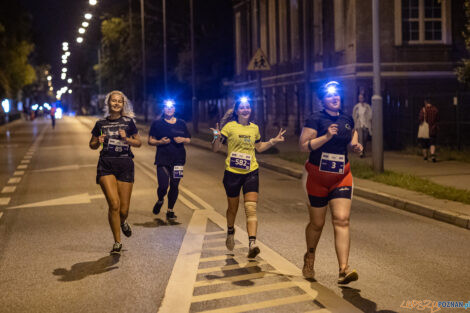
241,141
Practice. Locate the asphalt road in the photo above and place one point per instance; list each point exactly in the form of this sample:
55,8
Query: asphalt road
55,239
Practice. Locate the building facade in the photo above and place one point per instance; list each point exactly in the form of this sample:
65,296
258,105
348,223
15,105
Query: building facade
310,41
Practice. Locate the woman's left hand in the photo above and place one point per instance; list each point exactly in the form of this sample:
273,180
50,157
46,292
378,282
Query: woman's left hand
279,137
357,148
179,139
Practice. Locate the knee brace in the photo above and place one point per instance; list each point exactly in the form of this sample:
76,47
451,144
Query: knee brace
250,211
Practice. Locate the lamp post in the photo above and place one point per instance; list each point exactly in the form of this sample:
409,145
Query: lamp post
377,109
194,103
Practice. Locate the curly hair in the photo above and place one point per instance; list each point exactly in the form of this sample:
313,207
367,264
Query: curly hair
127,109
232,115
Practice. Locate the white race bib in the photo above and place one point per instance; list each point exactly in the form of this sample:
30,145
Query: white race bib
240,160
178,171
332,163
117,145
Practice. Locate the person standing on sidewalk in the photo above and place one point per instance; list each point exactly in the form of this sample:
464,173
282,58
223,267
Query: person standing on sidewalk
116,134
169,135
241,168
362,115
327,135
430,115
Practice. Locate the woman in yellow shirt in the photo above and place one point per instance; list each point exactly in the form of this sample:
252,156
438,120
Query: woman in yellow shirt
241,168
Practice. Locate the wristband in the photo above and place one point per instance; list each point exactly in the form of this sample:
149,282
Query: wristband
309,146
271,142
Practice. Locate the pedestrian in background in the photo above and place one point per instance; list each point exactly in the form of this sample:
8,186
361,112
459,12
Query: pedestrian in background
362,115
428,128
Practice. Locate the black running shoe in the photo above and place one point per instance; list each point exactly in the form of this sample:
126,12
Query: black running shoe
157,207
116,248
170,216
126,229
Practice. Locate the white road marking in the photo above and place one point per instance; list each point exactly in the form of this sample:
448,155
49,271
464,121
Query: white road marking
1,214
74,167
22,167
18,173
179,287
179,290
14,180
4,201
25,161
8,189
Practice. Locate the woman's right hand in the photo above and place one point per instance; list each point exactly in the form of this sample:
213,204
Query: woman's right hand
165,140
332,130
216,131
101,138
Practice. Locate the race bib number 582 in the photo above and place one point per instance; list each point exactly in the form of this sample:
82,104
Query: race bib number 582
240,160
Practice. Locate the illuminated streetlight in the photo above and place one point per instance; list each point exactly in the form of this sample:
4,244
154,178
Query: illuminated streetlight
69,80
67,53
64,57
92,2
65,44
79,39
81,30
65,48
85,24
64,70
49,77
88,16
64,61
70,91
63,76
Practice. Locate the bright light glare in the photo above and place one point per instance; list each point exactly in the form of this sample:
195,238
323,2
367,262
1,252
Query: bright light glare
6,105
64,44
58,113
244,100
70,90
69,80
49,77
92,2
85,24
64,61
34,107
67,53
81,30
47,106
64,70
88,16
79,39
331,90
169,103
63,76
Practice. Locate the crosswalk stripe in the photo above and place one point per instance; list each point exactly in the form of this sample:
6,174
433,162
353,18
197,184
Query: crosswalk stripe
229,267
18,173
263,304
214,240
8,189
216,258
213,233
319,311
231,279
14,180
4,201
243,291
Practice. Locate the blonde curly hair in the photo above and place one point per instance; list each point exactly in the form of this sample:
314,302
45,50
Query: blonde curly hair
127,109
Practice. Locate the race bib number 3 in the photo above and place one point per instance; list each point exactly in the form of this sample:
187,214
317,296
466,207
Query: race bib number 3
332,163
178,171
240,160
117,145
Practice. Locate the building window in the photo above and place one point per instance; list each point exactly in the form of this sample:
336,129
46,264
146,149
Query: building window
423,21
238,42
294,29
283,44
272,32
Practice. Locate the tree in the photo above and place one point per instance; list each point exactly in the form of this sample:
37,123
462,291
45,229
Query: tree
15,49
463,71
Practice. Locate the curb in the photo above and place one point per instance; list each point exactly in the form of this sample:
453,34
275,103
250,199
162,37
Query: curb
462,221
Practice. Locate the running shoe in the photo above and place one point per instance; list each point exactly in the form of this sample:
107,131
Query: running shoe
253,251
157,207
309,262
347,276
170,216
126,229
230,242
116,248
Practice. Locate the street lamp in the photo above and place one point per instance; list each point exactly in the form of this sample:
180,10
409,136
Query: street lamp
64,61
377,108
81,30
64,70
92,2
85,24
88,16
79,39
69,80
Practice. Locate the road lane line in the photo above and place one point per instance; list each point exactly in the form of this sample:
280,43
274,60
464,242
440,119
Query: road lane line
22,167
213,233
231,267
235,278
262,304
179,290
242,292
8,189
18,173
4,200
14,180
319,311
25,161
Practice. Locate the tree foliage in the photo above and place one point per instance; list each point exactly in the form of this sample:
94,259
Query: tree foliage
15,49
463,71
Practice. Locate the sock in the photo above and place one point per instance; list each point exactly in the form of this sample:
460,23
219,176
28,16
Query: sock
170,210
252,240
230,230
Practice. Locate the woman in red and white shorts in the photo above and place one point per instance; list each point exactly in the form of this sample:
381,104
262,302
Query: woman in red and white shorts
327,135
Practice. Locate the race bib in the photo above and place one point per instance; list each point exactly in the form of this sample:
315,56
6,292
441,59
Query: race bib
240,160
178,171
332,163
117,145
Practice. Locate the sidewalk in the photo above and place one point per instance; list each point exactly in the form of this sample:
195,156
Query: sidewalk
448,173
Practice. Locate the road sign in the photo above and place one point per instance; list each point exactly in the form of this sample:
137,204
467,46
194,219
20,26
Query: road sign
259,62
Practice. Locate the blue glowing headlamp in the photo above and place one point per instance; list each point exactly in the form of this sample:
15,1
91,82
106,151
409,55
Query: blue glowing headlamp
169,103
244,100
329,89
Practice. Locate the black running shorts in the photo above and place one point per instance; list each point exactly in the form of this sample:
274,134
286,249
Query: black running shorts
234,182
121,168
